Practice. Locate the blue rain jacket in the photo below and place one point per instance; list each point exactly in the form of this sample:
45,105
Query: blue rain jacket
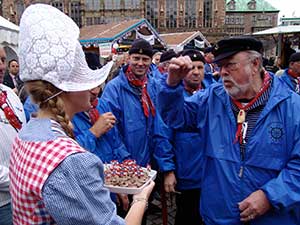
287,80
208,76
272,156
108,146
139,134
29,108
185,158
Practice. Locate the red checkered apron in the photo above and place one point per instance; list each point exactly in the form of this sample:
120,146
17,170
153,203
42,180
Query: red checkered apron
31,164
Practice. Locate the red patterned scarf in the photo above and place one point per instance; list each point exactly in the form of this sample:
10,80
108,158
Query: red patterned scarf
9,113
191,90
292,73
93,112
142,84
243,109
296,80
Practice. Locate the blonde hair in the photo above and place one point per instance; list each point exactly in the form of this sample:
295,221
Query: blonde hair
39,91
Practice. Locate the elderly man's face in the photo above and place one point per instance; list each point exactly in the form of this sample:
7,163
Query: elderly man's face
295,67
139,64
194,78
237,75
2,64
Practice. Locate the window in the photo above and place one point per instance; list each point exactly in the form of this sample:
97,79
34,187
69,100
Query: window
92,4
133,4
75,12
252,5
190,14
113,4
231,5
152,12
99,20
116,4
58,5
89,21
108,4
171,13
207,16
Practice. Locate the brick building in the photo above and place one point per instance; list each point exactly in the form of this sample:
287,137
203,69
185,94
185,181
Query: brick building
249,16
213,18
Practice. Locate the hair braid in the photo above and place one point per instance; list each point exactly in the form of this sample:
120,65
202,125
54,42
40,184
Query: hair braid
42,90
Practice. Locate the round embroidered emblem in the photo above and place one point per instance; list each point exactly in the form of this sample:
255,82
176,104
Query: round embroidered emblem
276,132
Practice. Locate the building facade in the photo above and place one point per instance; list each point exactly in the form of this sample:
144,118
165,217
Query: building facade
13,9
214,18
249,16
169,16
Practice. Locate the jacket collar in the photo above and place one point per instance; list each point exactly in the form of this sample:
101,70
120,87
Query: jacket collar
287,79
278,93
125,82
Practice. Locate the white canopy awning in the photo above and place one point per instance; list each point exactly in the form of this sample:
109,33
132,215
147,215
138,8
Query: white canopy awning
280,30
8,33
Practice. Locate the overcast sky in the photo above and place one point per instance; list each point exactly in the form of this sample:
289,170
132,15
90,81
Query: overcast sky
288,8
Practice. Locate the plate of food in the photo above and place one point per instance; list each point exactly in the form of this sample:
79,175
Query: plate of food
127,177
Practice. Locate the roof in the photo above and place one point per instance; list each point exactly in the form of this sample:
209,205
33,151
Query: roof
280,30
5,24
109,32
105,30
290,18
9,33
242,6
181,38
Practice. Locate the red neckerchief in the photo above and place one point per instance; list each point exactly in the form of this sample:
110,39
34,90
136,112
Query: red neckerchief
9,113
161,69
191,90
294,75
296,78
93,112
145,98
242,113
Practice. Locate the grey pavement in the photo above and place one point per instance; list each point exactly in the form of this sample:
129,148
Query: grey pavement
155,218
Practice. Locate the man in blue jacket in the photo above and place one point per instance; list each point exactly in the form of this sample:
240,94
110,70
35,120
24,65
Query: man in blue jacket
250,129
182,165
291,76
132,98
94,130
211,72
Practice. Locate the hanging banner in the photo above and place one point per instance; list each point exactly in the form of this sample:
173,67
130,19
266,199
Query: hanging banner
149,38
105,49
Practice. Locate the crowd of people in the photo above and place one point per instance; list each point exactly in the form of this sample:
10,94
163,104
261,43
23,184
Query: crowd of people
221,129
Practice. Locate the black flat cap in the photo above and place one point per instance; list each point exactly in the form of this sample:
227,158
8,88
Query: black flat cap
195,55
208,49
141,46
228,47
295,57
167,55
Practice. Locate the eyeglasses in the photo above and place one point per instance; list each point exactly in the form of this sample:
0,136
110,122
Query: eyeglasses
230,66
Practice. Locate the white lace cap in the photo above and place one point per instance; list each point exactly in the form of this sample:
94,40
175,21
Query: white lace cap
49,50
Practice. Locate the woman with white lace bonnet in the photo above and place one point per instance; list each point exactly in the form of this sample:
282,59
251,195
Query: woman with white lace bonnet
53,179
